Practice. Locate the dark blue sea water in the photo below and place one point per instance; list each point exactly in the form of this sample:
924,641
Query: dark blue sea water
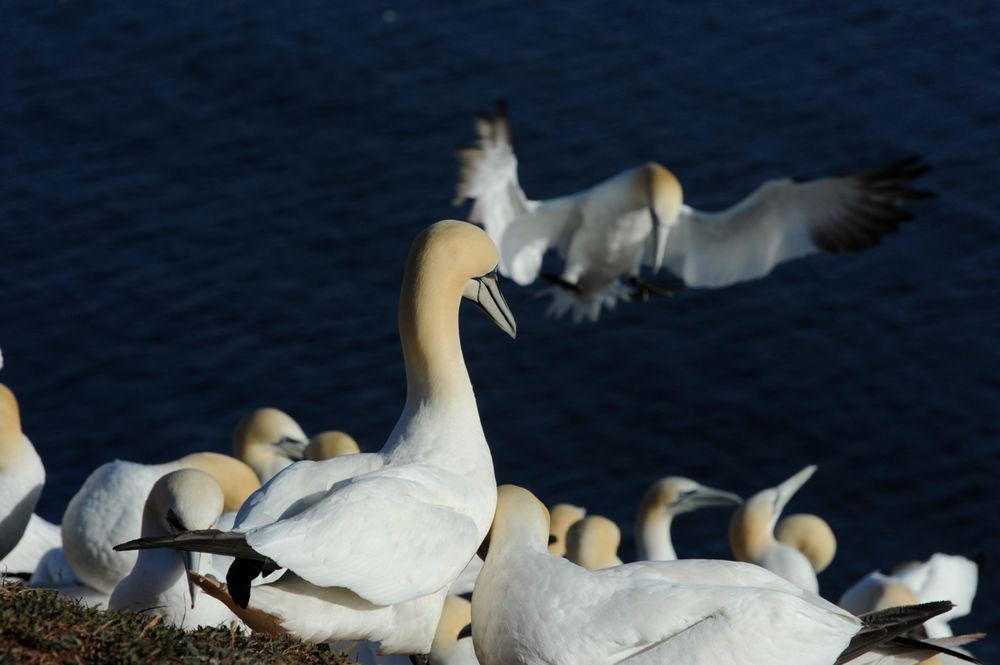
205,207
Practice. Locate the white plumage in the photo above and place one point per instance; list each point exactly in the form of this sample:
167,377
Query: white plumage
22,475
606,233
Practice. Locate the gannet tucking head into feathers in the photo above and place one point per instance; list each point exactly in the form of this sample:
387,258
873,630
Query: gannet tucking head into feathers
593,543
564,515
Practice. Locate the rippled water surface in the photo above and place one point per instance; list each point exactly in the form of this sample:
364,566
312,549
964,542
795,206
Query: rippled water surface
205,207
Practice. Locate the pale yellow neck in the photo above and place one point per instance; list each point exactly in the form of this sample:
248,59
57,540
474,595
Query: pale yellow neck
432,351
12,441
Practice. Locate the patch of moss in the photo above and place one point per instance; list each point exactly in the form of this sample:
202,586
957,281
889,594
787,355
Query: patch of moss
37,626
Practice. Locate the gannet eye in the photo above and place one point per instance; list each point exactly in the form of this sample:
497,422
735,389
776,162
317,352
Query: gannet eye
553,538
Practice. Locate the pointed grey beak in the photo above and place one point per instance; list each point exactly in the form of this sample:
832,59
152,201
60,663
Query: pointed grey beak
708,497
788,488
291,448
485,292
191,562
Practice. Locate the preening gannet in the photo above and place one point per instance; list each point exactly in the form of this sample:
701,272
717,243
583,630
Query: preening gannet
608,232
107,510
811,535
372,541
22,475
751,533
531,608
159,584
664,500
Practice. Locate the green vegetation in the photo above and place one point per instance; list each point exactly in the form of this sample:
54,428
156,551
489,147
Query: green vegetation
39,627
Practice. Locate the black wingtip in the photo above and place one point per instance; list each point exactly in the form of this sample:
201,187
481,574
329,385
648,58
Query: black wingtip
465,632
239,577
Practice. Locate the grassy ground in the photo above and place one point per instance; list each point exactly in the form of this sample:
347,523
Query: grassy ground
39,627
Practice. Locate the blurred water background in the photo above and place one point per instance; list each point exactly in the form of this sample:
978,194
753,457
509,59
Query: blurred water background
205,207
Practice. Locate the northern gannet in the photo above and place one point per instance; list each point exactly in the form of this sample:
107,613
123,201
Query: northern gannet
531,608
452,643
608,232
943,576
107,509
22,476
268,440
664,500
751,533
331,443
158,583
811,535
593,543
372,541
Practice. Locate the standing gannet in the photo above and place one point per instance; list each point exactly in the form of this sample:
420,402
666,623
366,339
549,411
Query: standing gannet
751,533
268,440
943,576
21,475
531,608
372,541
608,232
593,543
158,584
664,500
107,509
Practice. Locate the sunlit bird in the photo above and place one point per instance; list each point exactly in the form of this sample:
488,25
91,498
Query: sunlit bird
371,542
607,233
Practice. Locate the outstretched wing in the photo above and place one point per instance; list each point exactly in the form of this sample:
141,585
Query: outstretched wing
386,536
787,219
522,230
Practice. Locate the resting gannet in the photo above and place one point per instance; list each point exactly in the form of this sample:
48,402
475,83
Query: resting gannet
664,500
531,608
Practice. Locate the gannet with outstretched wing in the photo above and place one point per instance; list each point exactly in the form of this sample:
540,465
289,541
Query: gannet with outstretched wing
608,232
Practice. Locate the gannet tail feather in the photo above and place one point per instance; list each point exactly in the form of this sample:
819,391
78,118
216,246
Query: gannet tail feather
568,297
883,626
212,541
488,174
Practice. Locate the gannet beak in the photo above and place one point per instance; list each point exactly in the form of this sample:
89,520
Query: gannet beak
485,292
659,241
291,448
787,489
191,562
707,497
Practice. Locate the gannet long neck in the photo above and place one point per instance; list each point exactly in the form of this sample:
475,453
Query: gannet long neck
652,530
428,328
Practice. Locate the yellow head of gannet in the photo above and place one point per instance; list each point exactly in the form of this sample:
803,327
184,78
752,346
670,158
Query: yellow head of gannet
811,535
268,440
663,194
326,445
438,269
237,480
665,499
751,533
185,500
563,515
593,543
456,618
519,517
